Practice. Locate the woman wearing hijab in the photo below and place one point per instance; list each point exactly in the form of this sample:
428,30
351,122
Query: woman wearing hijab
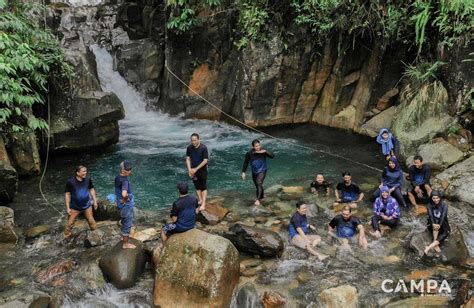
392,177
389,144
386,211
437,222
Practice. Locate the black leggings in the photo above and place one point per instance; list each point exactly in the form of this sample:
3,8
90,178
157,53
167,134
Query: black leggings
376,220
258,181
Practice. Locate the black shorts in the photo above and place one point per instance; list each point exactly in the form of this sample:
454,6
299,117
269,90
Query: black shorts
425,197
200,179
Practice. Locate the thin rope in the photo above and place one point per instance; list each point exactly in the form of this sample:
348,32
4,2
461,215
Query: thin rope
265,134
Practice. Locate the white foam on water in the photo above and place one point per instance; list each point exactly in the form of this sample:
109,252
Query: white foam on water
146,132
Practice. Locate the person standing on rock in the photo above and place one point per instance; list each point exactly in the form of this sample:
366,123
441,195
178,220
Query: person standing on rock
346,226
197,158
183,213
420,174
78,192
298,231
125,201
389,144
386,211
437,222
347,191
257,158
392,177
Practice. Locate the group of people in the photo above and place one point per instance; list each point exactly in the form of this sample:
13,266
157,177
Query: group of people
386,207
80,197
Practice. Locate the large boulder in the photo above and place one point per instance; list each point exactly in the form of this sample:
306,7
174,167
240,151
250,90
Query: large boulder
384,119
255,240
122,267
7,233
453,248
24,154
247,296
439,154
106,211
24,298
214,212
196,269
341,296
8,176
459,180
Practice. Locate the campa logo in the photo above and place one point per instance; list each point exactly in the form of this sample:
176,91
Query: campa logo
425,287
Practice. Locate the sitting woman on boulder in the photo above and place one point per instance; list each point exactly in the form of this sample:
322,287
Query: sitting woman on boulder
386,212
390,145
298,231
392,177
437,222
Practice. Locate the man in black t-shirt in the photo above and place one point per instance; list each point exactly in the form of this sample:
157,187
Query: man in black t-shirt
348,191
77,195
319,186
197,158
346,226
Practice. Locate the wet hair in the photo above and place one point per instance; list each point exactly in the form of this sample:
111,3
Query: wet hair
78,168
299,204
346,208
418,157
195,135
182,187
255,141
345,173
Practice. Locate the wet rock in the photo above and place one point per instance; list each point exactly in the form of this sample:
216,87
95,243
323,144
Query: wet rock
47,274
232,217
24,154
273,189
420,301
453,248
214,212
391,259
260,210
36,231
147,234
7,232
384,119
341,296
207,218
260,220
7,216
25,298
271,299
247,297
106,211
439,154
122,267
418,275
94,238
198,268
459,180
255,240
86,277
294,191
249,272
251,263
311,210
8,176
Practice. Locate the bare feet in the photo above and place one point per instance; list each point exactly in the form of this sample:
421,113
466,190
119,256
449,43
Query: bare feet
427,250
437,249
128,246
322,257
257,202
202,208
376,234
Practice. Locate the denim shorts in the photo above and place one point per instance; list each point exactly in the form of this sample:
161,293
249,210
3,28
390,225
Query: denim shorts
127,220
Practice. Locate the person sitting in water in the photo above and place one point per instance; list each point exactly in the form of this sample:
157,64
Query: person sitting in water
437,222
257,158
183,213
346,227
320,187
125,201
77,195
348,191
298,231
390,145
420,174
392,177
386,211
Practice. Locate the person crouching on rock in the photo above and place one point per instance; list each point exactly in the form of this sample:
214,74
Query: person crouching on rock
346,226
183,213
78,192
437,222
386,211
125,201
298,231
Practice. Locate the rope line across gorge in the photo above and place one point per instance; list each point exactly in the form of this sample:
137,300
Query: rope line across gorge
266,134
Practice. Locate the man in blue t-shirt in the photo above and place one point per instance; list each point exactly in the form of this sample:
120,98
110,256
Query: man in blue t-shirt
77,195
125,201
346,226
420,174
257,158
197,158
298,231
183,213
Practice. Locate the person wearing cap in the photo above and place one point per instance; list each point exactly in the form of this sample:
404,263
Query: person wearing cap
438,224
125,201
183,213
386,211
197,158
77,195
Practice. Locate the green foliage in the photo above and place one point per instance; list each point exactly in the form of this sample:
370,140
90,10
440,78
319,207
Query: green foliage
420,18
29,56
422,72
252,20
184,15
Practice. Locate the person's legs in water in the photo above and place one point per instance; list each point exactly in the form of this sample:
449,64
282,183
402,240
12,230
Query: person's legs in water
127,220
90,218
397,194
362,240
70,223
258,181
300,242
375,226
